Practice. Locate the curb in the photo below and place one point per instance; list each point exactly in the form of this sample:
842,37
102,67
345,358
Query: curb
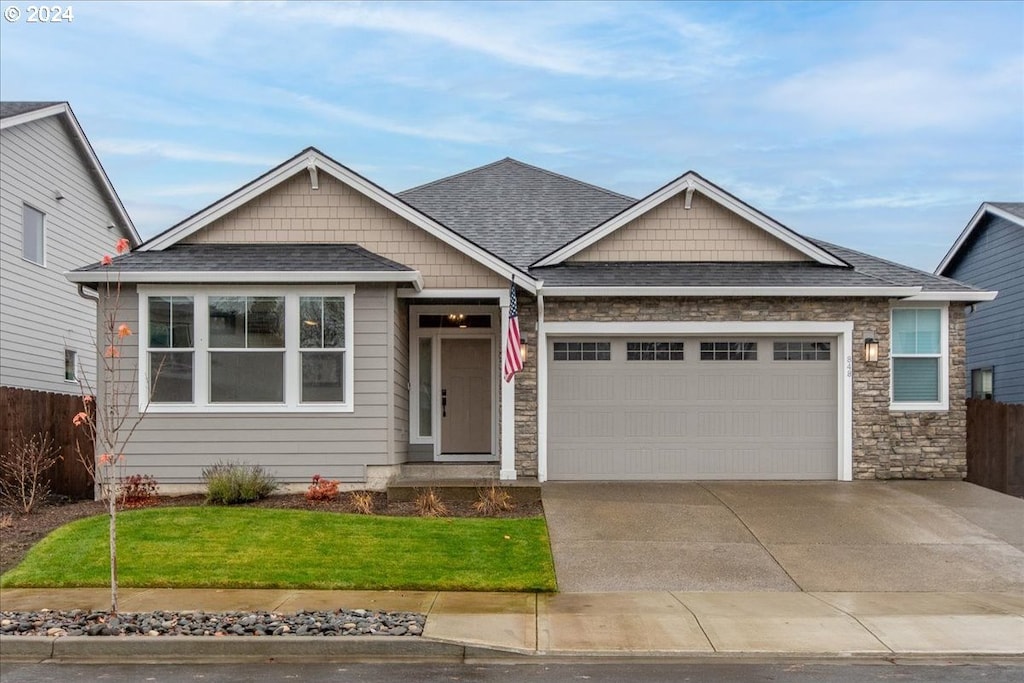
207,648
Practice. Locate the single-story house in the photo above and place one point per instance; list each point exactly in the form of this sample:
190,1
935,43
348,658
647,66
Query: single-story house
314,323
988,253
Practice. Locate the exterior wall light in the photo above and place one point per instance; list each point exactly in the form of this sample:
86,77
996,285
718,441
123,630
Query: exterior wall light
522,348
871,350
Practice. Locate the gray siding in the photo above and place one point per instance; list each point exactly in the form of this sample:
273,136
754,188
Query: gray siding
41,313
400,388
995,331
294,446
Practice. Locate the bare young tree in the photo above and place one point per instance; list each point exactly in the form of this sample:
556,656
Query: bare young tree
108,411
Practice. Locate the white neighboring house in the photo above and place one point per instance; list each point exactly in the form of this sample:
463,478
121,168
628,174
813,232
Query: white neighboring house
58,212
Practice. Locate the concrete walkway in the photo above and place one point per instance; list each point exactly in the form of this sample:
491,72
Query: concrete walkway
785,536
609,624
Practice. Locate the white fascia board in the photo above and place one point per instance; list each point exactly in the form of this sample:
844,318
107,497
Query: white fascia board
983,210
301,164
275,276
684,182
63,109
34,115
819,292
954,296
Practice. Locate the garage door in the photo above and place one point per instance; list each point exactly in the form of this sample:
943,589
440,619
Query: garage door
692,408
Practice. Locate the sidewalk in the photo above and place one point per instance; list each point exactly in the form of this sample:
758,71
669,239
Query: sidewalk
568,624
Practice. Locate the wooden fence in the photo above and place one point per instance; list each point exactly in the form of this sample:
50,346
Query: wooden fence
995,445
28,413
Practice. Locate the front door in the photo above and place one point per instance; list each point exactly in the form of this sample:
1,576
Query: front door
466,370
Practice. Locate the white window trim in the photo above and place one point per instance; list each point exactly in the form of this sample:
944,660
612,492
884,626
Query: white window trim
41,263
923,406
76,366
843,330
201,350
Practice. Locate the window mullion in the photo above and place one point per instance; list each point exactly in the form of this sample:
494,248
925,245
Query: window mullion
201,346
292,354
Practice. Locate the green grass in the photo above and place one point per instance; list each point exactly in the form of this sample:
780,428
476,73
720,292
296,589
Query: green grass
218,547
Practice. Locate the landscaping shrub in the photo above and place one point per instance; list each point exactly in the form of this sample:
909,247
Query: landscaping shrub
493,500
229,483
322,489
362,502
23,469
136,491
429,504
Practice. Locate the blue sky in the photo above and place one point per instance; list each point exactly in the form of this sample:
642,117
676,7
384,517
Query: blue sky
880,126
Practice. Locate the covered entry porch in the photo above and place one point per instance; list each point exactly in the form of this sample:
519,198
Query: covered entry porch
461,411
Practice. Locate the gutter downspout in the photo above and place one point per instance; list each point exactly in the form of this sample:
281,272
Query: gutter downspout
94,297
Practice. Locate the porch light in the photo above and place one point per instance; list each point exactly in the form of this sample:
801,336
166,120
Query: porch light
871,350
522,348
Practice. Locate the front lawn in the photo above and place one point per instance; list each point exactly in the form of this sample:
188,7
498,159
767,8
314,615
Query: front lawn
222,547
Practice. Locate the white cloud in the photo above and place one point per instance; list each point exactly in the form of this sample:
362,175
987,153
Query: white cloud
900,92
177,152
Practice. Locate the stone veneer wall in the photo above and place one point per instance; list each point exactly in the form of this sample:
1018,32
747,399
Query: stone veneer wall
886,444
526,392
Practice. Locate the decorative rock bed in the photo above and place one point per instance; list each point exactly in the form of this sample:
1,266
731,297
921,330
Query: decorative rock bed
357,622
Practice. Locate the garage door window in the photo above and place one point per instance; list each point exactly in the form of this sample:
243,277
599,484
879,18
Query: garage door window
798,350
662,350
723,350
583,351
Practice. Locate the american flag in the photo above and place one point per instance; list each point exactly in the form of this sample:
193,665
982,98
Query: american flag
513,351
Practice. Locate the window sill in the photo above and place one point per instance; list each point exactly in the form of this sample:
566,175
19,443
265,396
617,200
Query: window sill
218,409
936,407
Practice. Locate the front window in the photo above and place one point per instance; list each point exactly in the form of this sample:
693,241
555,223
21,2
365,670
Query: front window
33,239
981,382
236,350
171,347
70,365
918,365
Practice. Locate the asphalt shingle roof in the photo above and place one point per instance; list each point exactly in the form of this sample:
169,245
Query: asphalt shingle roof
16,108
670,274
516,211
894,273
251,257
1016,208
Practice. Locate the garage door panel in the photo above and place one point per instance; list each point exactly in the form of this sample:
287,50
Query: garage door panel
692,419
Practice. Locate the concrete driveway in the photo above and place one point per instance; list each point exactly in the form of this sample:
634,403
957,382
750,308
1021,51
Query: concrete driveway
786,536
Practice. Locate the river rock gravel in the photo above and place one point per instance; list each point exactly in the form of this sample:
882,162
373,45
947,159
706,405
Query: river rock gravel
356,622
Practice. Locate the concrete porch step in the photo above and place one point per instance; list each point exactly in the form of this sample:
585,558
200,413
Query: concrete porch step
433,471
466,490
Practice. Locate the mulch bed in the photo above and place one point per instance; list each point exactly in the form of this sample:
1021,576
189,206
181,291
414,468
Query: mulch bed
20,532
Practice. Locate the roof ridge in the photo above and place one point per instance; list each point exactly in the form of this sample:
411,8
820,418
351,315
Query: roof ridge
571,179
453,176
524,165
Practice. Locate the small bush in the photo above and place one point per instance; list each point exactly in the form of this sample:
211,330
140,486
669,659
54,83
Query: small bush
362,502
493,500
230,483
322,489
429,504
136,491
23,469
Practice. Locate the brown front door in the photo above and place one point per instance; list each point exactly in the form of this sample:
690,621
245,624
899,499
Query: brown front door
466,396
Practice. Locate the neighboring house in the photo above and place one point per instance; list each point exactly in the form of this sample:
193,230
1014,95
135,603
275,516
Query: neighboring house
313,322
989,253
58,211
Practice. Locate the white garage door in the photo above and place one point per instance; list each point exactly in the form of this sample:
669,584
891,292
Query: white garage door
692,408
